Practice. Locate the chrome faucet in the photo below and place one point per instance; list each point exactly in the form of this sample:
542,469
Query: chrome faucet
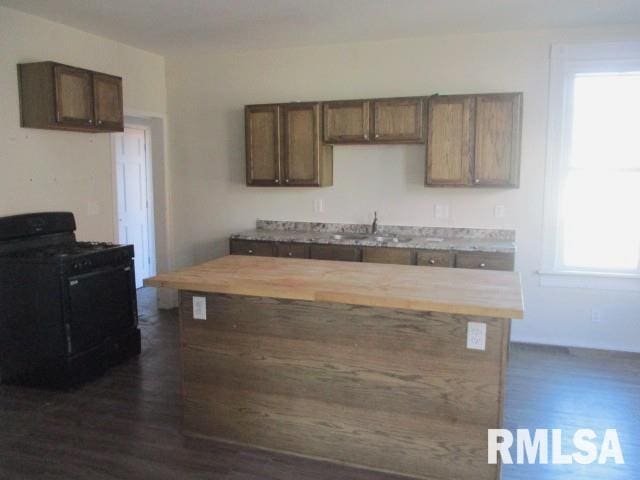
374,225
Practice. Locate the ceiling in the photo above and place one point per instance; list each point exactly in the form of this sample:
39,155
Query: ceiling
166,25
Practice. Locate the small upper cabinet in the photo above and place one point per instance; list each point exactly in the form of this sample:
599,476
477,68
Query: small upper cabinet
74,96
346,121
107,94
398,120
262,126
61,97
284,146
474,140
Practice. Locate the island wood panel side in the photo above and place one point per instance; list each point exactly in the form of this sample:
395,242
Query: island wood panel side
392,390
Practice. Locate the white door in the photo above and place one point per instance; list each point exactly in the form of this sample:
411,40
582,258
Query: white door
133,201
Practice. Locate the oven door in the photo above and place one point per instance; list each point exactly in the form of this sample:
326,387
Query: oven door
101,304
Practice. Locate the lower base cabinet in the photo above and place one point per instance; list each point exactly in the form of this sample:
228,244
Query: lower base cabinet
249,247
398,256
389,255
345,253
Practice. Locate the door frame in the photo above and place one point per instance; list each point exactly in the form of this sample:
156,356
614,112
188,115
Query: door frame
141,124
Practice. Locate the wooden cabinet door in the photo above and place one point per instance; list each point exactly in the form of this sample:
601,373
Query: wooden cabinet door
107,94
434,258
345,253
346,121
301,144
73,95
293,250
450,137
262,135
497,140
251,247
397,256
485,260
398,120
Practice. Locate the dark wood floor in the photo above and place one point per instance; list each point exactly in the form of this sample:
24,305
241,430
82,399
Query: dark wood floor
126,425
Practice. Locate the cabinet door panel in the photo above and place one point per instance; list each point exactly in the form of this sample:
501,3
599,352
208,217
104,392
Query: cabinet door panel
293,250
262,131
434,258
398,120
346,122
74,96
107,92
485,260
344,253
251,247
497,144
398,256
450,140
301,150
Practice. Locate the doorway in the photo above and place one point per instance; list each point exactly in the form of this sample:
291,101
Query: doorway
134,197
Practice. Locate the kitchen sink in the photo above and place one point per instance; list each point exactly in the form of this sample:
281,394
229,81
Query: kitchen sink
384,239
349,236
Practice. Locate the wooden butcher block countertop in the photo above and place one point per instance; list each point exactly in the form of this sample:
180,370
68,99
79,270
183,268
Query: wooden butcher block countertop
447,290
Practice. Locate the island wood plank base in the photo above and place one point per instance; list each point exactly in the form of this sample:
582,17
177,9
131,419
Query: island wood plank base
388,389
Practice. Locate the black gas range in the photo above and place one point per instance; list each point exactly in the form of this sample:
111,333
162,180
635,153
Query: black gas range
68,309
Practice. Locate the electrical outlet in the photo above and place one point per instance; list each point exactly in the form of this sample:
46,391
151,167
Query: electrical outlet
318,205
441,211
498,211
199,308
476,336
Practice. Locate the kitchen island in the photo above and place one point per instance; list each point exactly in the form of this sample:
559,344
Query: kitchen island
362,364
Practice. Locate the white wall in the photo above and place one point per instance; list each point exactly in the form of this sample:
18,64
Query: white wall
55,170
206,94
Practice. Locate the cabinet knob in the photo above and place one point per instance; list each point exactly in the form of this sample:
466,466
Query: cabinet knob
276,181
90,121
477,180
286,180
432,261
250,252
290,254
99,122
482,265
377,135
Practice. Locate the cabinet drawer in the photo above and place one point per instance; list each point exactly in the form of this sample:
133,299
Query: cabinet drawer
488,261
434,258
400,256
250,247
346,253
293,250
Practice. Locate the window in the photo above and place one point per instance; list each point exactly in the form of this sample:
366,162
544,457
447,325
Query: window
592,215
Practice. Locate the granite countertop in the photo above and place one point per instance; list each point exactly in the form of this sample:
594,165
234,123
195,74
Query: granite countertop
431,238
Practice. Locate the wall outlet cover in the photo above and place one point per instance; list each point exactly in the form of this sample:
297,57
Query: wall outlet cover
199,308
476,336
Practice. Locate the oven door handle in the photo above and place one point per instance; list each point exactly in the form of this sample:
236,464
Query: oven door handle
76,279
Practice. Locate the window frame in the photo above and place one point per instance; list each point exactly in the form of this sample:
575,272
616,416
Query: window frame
566,61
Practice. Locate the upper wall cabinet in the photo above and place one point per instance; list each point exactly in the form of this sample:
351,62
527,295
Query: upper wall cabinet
346,122
398,120
388,120
474,140
61,97
284,146
262,134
